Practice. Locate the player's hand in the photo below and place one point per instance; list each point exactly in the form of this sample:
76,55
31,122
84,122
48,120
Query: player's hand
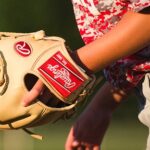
86,133
72,144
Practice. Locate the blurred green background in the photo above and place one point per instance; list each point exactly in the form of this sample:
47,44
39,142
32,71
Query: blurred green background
56,18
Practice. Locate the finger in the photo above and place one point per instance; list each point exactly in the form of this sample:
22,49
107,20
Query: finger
90,146
33,93
75,144
69,141
81,148
87,146
97,147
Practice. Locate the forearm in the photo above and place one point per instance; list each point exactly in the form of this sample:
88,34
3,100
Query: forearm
130,35
107,99
97,116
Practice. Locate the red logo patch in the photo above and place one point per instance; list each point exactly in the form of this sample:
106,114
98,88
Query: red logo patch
23,48
61,74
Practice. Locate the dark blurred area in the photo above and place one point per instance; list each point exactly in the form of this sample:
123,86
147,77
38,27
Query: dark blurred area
54,16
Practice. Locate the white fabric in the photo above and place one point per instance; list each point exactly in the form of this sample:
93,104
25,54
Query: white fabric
144,115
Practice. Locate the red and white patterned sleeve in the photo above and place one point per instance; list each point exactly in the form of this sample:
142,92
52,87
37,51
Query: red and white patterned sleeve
138,5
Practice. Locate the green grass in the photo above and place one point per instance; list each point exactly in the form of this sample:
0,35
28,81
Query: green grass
122,135
125,133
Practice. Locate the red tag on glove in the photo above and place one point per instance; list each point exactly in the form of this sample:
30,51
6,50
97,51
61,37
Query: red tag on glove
61,74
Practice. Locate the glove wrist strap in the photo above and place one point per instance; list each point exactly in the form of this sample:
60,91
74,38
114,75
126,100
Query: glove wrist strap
76,58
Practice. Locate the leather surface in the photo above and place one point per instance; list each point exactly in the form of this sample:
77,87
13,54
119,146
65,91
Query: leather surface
16,65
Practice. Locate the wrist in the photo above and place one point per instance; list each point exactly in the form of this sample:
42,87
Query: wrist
77,59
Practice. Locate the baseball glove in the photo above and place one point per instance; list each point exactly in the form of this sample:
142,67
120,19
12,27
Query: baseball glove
27,57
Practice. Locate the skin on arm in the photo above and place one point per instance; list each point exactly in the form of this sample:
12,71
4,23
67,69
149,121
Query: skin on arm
114,45
130,35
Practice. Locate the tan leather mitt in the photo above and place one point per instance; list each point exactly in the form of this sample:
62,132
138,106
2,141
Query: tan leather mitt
27,57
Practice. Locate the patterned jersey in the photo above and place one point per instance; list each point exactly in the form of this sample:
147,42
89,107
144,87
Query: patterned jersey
95,18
